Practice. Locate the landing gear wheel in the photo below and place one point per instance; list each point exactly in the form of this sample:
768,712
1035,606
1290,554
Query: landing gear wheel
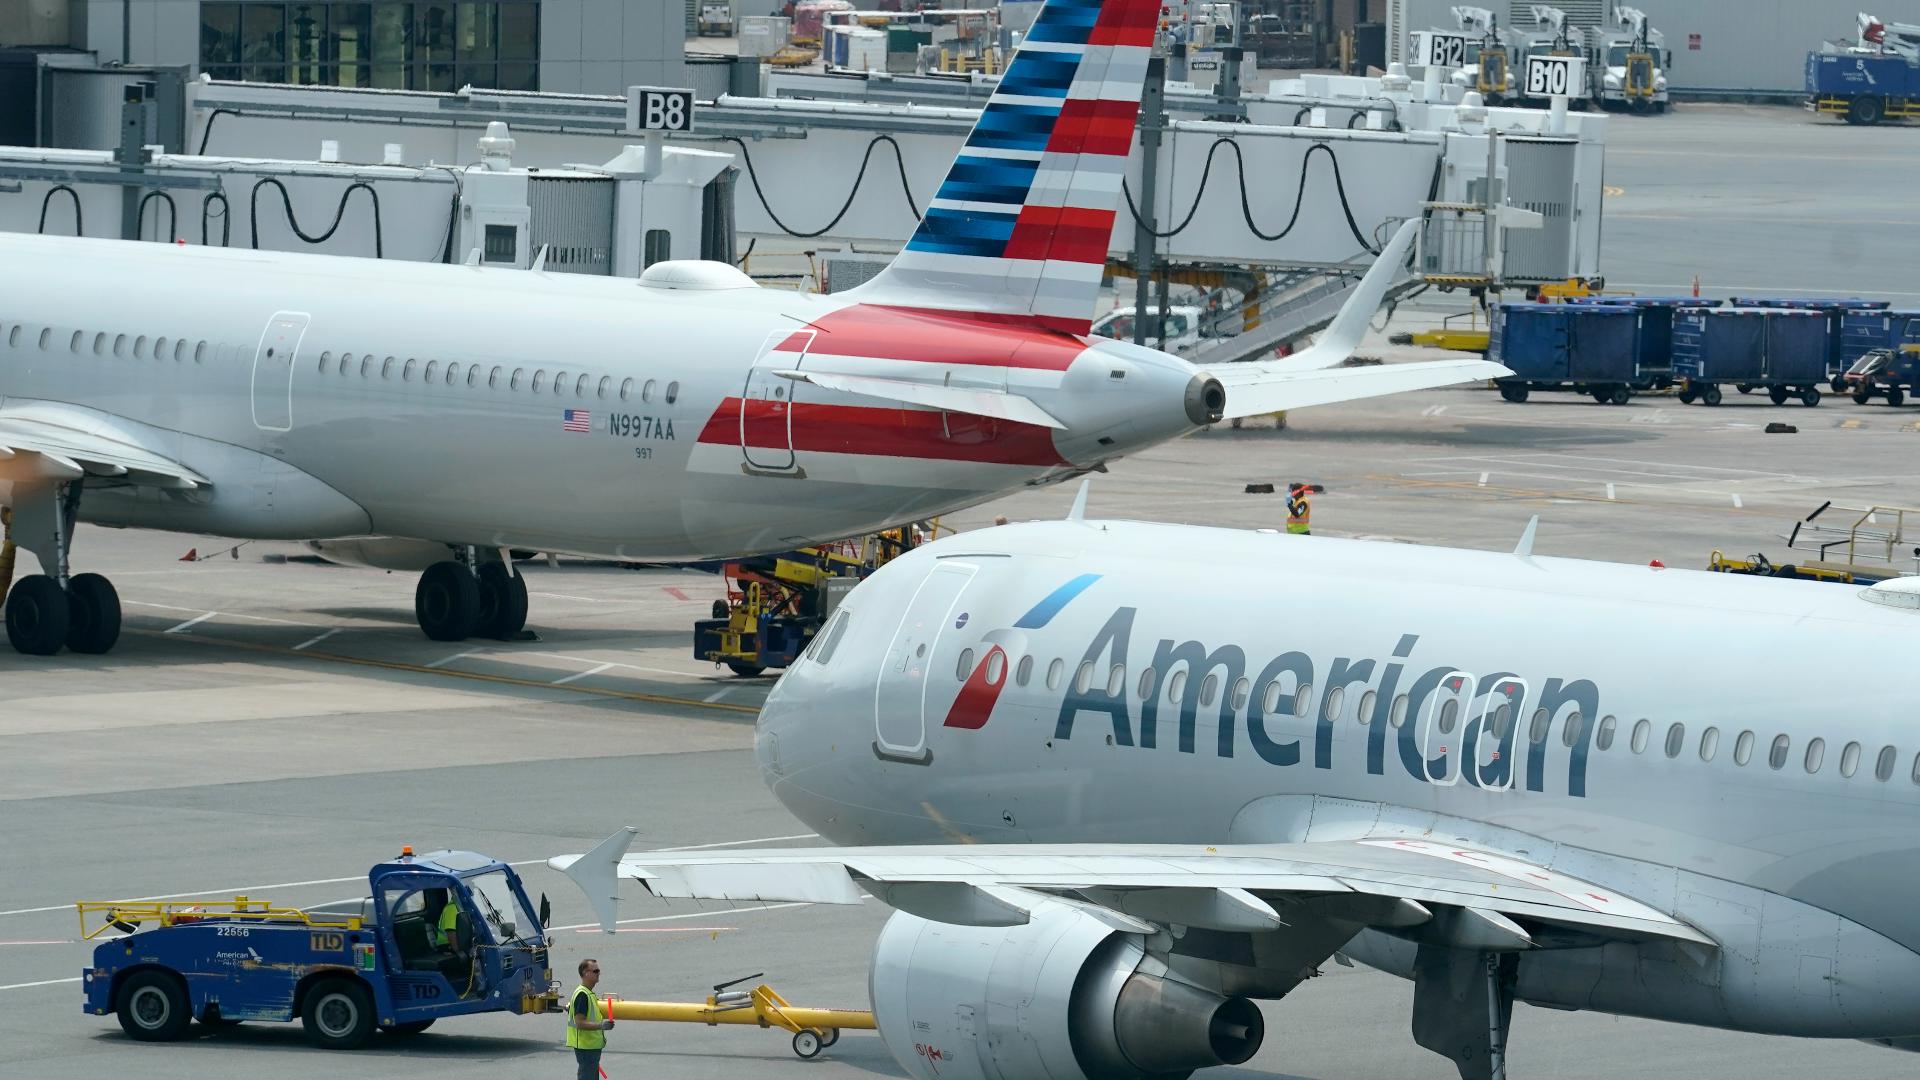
37,615
1810,396
1710,394
411,1027
503,603
806,1043
1515,394
447,602
1895,396
339,1012
93,614
745,670
153,1004
832,1036
1619,395
1777,394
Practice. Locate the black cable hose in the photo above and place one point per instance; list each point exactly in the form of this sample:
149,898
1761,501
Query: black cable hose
900,162
1246,205
79,220
173,213
226,218
207,132
339,214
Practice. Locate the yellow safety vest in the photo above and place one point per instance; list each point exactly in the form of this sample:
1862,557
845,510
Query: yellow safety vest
443,934
577,1038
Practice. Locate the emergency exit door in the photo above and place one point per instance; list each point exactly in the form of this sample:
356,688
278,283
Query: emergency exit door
900,695
766,402
273,371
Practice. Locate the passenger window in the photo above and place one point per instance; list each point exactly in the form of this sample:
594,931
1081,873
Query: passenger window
1364,714
1709,743
1053,673
1883,768
539,378
366,367
1537,730
1676,737
473,375
1450,712
626,391
965,667
200,353
386,368
559,381
1146,684
120,346
1241,690
160,348
646,392
493,378
180,351
1576,727
1603,738
1330,708
453,373
325,359
996,666
75,346
1083,678
1270,699
1397,713
433,370
1301,698
1743,748
607,381
406,372
1116,681
1916,768
580,386
1177,686
1501,721
1208,686
346,361
1816,753
13,336
140,347
1777,756
514,382
1641,730
673,392
46,338
1850,759
1024,671
99,344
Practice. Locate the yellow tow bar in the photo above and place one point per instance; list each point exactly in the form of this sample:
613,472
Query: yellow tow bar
813,1029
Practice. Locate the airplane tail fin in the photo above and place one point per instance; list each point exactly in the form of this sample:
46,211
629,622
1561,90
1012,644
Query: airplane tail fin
1021,223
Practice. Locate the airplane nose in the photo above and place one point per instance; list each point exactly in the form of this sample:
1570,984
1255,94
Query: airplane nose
1206,400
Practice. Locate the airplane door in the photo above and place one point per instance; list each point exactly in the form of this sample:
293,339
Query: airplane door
900,693
766,403
273,371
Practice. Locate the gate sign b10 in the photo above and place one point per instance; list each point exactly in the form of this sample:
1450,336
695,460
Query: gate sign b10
1556,76
1434,49
653,108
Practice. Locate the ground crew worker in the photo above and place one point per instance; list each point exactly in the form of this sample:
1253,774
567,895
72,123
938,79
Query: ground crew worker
447,923
587,1022
1299,509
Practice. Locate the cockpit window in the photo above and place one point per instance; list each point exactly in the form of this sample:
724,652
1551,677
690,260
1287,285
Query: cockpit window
829,639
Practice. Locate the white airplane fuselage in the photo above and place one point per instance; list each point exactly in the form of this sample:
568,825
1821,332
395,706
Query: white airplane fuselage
1689,739
327,397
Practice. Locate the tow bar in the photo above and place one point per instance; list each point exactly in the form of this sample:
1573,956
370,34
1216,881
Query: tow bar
813,1029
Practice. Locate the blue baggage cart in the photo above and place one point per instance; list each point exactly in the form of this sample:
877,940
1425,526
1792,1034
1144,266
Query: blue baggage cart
1837,308
1782,349
1883,355
1589,349
1653,340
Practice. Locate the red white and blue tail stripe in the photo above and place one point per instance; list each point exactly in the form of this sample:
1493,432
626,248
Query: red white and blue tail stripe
1022,222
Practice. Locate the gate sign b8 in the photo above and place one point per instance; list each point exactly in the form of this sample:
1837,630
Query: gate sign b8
1556,76
652,108
1434,49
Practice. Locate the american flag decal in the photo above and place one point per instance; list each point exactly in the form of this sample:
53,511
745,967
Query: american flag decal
577,420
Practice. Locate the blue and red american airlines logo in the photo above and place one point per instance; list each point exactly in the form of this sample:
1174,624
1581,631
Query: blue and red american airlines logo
982,689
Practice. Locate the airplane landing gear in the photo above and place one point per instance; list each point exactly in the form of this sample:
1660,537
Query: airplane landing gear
454,602
49,610
1463,1007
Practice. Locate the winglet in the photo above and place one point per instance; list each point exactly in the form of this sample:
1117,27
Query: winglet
1524,548
1349,327
1079,510
598,874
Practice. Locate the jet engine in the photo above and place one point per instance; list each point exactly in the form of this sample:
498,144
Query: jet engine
1063,997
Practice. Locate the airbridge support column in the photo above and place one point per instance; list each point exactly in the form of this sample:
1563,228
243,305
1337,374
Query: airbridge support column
1152,118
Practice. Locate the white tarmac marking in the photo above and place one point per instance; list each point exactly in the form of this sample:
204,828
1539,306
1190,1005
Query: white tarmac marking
718,694
595,670
1483,479
316,640
616,663
445,660
1610,493
565,596
45,982
249,890
1736,500
181,628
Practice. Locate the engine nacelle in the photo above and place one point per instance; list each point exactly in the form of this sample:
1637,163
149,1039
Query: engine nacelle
1063,997
381,552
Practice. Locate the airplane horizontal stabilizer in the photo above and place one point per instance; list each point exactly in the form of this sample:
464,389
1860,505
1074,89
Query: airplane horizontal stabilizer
977,401
1269,386
1409,886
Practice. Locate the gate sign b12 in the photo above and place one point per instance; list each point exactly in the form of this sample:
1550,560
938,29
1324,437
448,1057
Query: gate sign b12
652,108
1552,76
1434,49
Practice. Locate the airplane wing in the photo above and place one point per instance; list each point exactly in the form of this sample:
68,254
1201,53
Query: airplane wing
962,399
44,442
1313,376
1475,897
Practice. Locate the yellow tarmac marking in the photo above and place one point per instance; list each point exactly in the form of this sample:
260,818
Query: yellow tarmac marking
474,676
1610,191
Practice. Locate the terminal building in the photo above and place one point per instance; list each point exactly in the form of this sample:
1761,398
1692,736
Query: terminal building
565,46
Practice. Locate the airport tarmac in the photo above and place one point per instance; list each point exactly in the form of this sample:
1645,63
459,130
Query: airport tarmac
272,725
